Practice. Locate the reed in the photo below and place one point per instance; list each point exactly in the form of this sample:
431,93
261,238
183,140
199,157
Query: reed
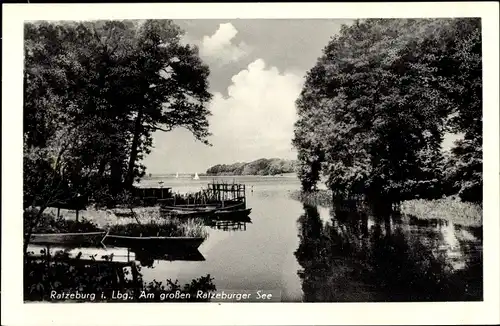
147,221
454,210
167,228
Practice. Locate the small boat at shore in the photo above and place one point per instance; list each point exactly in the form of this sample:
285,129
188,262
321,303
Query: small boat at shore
79,239
149,242
232,207
233,214
204,207
201,208
204,210
185,214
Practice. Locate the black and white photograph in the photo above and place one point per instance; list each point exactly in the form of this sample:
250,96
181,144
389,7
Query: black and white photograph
289,160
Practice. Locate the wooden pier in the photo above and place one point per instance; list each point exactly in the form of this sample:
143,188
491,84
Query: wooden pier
216,194
227,194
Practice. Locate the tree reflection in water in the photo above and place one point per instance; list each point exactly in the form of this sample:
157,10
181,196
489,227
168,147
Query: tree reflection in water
355,258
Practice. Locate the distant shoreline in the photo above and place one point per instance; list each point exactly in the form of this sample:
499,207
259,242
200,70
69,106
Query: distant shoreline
190,175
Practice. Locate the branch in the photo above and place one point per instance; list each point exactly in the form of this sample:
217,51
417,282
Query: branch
161,129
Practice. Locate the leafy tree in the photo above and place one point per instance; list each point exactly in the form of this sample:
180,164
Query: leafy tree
464,88
94,94
373,111
124,79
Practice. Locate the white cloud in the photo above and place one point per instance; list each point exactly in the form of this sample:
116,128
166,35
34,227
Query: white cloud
257,117
220,47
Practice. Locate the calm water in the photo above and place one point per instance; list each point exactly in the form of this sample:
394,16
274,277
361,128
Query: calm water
260,257
314,253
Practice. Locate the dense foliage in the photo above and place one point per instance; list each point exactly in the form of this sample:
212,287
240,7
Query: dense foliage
374,110
94,92
261,166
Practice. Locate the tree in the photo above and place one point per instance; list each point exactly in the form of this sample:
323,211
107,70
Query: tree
124,79
373,110
170,88
94,94
464,73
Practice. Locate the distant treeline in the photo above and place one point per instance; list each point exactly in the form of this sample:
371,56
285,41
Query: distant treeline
261,166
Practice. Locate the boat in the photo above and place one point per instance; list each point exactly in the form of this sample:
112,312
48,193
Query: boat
189,213
177,175
196,177
149,242
79,239
201,208
204,207
233,214
232,207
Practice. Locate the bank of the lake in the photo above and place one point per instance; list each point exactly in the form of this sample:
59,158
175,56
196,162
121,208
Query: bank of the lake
309,252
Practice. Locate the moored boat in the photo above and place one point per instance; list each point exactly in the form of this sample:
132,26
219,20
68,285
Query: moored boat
200,208
232,214
79,239
233,207
205,207
148,242
186,213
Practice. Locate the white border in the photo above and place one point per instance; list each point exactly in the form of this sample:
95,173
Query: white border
14,312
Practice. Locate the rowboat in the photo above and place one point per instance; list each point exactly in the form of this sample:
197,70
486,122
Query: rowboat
80,239
186,214
232,214
232,207
148,254
204,207
190,208
150,242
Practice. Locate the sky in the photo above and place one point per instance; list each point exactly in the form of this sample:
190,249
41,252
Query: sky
257,70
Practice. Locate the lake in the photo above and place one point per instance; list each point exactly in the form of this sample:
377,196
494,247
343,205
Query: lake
318,254
313,254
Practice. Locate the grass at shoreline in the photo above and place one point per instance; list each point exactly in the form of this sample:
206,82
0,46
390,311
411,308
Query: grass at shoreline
449,209
166,228
453,210
151,223
318,198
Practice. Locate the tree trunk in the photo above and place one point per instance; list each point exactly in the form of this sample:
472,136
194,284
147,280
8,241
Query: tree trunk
33,224
116,176
129,181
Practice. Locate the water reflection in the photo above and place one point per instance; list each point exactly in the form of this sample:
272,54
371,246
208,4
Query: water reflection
145,256
148,256
91,277
230,224
356,257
